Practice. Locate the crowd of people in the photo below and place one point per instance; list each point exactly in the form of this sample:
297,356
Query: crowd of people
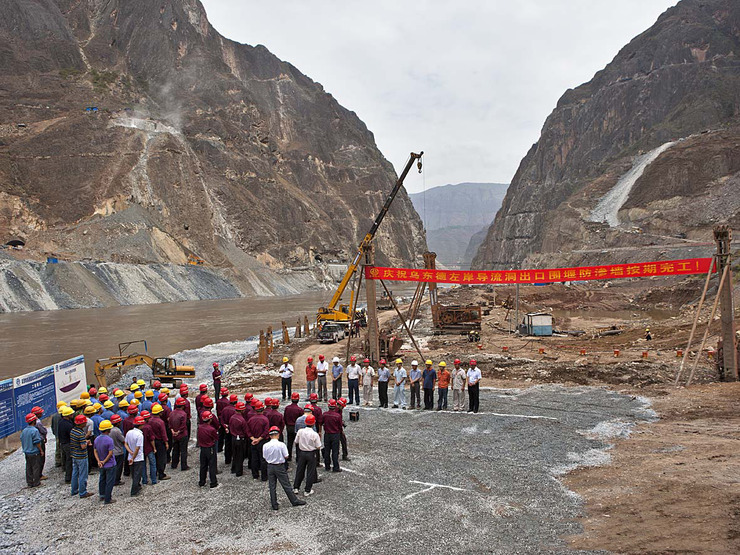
142,433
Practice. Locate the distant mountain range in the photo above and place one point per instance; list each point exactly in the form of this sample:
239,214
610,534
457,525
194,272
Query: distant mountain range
456,217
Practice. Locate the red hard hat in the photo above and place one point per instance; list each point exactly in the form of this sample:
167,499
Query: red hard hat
38,411
308,407
310,359
382,361
342,400
181,402
139,420
274,430
474,362
215,364
321,357
156,384
259,406
208,402
184,387
233,398
80,419
353,358
310,420
366,361
224,392
93,391
206,415
457,361
313,397
248,396
254,401
104,397
240,406
332,403
115,419
163,397
145,414
30,418
133,409
203,387
295,396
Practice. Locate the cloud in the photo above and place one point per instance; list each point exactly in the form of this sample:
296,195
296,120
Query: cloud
469,82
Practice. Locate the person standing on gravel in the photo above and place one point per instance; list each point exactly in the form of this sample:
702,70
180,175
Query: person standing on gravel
119,446
208,443
443,384
429,378
474,377
399,392
274,453
353,380
55,430
366,378
78,448
292,413
321,370
161,442
309,444
179,427
238,430
135,448
286,378
257,429
384,375
106,462
66,425
311,375
216,374
415,385
337,371
33,449
332,431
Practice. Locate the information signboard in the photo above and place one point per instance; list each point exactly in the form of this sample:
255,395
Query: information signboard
70,379
34,389
7,409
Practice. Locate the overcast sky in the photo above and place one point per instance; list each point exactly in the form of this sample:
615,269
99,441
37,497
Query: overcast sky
470,82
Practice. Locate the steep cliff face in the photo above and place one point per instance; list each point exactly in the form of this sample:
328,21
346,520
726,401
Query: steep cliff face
133,132
647,148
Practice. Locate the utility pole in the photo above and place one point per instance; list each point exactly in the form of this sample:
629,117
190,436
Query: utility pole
723,238
373,346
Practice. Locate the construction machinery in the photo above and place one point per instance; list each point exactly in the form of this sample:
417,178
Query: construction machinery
342,314
164,369
195,260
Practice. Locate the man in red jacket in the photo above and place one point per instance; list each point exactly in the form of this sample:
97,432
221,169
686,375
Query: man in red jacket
257,430
226,414
273,415
166,411
216,378
311,375
332,430
202,392
207,440
179,426
188,412
159,427
292,413
222,403
238,431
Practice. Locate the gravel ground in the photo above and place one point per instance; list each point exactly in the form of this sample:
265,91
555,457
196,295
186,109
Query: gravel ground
418,482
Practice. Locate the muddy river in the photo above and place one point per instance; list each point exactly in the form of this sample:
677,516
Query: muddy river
33,340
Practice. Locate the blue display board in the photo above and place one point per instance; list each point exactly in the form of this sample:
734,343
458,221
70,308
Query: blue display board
34,389
7,409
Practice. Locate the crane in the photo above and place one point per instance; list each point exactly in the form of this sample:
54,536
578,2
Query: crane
330,312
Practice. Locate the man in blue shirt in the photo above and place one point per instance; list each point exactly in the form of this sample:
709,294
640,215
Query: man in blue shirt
384,375
337,371
415,385
33,448
430,378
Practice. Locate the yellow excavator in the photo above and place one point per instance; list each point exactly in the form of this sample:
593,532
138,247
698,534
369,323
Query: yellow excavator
164,369
330,313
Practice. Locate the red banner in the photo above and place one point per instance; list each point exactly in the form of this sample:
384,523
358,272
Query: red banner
550,275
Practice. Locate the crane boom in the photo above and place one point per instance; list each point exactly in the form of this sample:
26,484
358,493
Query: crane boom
330,312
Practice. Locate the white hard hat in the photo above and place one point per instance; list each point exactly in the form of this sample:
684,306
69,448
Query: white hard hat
335,359
414,363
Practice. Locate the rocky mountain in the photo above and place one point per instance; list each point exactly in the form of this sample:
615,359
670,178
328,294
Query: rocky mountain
454,214
646,153
132,132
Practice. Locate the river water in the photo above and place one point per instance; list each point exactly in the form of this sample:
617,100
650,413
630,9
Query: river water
32,340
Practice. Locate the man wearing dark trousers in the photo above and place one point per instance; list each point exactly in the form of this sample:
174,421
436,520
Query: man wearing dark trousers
207,440
332,430
309,443
221,404
159,429
292,413
429,378
384,376
33,449
65,428
341,405
135,448
238,431
474,377
257,430
179,426
275,453
227,412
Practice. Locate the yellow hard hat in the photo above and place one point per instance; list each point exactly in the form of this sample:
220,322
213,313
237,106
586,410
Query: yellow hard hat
105,425
84,395
140,383
90,410
102,390
156,408
443,364
61,404
285,359
428,363
119,393
123,404
138,394
399,361
67,411
149,393
134,387
87,402
108,404
135,402
97,406
165,390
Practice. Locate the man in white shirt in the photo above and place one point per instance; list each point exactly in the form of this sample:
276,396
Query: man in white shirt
321,369
309,443
474,377
399,376
135,448
286,373
368,372
353,380
275,452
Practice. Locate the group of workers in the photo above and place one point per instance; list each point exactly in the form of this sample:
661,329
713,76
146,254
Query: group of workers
365,376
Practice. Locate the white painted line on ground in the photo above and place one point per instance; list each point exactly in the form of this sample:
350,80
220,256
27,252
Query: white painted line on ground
345,469
430,488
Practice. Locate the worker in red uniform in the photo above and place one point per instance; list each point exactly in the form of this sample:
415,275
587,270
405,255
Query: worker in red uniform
220,405
184,395
159,428
341,404
216,374
179,426
202,391
257,429
238,431
226,414
292,413
150,455
319,415
127,425
273,415
332,430
166,411
207,440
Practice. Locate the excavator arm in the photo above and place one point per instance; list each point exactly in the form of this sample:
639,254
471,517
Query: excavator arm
330,312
